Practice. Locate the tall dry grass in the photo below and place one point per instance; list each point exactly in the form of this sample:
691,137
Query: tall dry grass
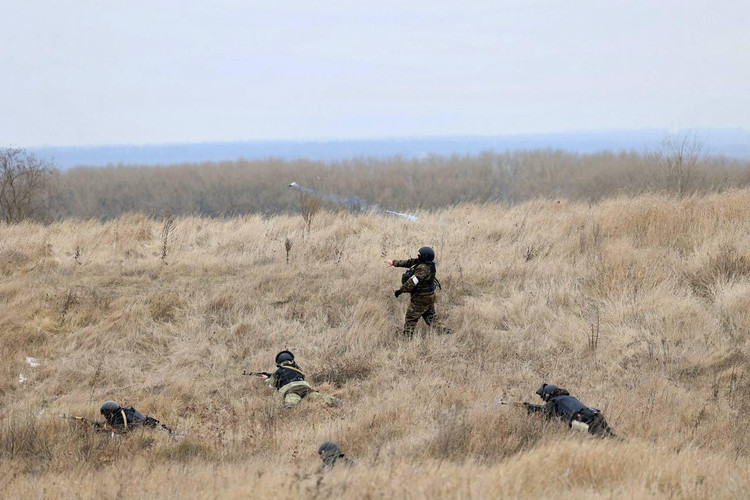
664,281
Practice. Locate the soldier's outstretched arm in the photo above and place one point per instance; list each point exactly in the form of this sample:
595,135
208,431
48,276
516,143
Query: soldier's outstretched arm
532,408
404,263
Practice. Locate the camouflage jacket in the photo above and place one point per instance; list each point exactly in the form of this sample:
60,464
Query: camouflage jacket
422,281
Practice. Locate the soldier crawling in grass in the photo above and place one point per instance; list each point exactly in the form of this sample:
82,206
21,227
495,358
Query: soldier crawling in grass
420,281
290,381
560,404
124,419
120,419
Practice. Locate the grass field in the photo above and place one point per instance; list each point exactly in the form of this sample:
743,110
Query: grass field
639,306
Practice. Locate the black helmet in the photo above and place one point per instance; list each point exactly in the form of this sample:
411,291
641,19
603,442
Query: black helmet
426,254
284,356
328,449
109,407
546,391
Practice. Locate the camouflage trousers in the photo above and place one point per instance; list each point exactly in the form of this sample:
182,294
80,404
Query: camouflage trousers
293,392
599,427
422,306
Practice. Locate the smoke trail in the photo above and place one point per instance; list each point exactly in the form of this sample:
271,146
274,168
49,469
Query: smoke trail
352,203
411,217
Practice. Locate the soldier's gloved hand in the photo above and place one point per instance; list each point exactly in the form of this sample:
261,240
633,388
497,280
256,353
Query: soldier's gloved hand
397,293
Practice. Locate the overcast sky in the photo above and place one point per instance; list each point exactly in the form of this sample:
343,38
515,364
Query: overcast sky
136,72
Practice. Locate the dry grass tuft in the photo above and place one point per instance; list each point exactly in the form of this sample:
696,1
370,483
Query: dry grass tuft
638,305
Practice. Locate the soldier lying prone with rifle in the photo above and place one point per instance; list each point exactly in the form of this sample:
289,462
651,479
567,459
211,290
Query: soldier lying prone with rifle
118,420
290,381
560,404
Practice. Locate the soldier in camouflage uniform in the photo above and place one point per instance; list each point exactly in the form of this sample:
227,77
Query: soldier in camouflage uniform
420,282
330,454
289,380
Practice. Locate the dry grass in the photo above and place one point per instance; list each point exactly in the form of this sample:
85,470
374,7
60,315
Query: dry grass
665,280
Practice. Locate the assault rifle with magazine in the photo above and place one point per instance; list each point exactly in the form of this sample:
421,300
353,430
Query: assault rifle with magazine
94,424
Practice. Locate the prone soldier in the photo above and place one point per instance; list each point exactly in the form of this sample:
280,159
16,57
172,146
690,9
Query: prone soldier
121,419
290,381
330,454
560,404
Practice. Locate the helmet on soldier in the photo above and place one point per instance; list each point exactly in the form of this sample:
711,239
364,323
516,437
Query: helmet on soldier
545,391
284,356
328,449
109,407
426,254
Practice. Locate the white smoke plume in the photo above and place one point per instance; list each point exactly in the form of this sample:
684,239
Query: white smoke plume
352,203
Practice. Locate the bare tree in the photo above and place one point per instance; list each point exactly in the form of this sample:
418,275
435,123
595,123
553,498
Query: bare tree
680,156
23,182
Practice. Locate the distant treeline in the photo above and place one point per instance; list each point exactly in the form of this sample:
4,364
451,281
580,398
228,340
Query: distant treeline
241,187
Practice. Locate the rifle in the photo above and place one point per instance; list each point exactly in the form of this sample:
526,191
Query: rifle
530,407
105,427
155,424
94,424
257,374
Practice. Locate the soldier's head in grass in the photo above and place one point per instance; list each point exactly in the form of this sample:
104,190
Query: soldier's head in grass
328,450
547,391
108,409
285,358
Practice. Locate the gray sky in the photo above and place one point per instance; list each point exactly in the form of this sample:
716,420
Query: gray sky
102,72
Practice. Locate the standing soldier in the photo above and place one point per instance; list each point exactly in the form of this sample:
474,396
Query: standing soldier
420,282
289,380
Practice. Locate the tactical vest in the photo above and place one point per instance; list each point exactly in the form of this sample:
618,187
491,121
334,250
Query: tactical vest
425,285
286,374
566,407
123,415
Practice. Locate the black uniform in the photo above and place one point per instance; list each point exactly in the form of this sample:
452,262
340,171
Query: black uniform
124,418
562,405
331,454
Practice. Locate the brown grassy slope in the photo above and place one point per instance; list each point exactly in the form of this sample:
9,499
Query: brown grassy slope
665,282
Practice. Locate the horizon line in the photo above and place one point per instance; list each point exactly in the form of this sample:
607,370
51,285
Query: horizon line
324,140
